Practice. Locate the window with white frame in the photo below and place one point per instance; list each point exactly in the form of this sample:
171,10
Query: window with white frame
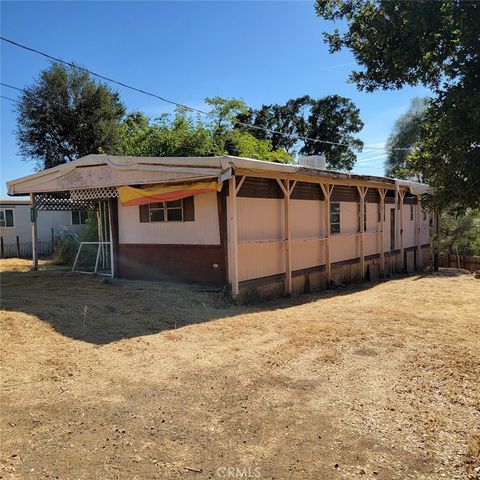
335,217
6,218
79,217
166,211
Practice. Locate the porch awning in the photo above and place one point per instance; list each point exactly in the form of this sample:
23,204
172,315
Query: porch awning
130,196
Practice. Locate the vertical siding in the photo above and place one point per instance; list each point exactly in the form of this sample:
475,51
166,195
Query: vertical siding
259,219
260,230
260,223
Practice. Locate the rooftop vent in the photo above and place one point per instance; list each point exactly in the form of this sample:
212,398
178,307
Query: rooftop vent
313,161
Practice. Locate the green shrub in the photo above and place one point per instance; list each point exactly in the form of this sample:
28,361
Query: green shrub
66,248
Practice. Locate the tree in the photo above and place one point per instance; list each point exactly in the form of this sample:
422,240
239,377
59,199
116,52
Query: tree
185,134
66,115
404,137
223,112
435,44
180,136
460,233
332,118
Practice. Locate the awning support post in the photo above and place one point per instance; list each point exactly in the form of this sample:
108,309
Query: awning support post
362,191
418,231
33,215
287,189
382,192
327,192
232,234
402,246
436,241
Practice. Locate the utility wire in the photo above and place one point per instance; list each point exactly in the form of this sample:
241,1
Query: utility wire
71,115
177,104
11,86
10,99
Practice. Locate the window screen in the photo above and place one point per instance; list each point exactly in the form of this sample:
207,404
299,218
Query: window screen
335,217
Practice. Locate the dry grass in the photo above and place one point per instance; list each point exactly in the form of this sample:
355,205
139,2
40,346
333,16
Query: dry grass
116,379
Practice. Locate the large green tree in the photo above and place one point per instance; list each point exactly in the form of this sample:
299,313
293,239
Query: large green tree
332,118
431,43
65,115
403,139
460,233
185,134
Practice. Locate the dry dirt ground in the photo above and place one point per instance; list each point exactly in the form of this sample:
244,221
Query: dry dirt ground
139,380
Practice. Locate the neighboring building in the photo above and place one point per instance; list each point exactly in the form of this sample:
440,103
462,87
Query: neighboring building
16,227
240,222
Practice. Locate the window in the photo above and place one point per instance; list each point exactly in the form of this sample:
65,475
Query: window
79,217
364,216
166,211
6,218
411,213
176,211
335,217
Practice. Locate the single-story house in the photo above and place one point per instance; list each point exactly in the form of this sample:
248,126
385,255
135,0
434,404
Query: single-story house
16,227
243,223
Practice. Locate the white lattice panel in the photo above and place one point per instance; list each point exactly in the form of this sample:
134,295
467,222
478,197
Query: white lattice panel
101,193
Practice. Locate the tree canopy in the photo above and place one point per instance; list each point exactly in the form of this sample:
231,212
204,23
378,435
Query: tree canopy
184,134
406,134
66,115
431,43
460,233
332,118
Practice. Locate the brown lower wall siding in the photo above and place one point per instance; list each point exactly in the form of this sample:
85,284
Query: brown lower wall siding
189,263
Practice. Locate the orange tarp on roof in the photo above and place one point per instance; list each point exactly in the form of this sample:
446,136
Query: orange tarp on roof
164,193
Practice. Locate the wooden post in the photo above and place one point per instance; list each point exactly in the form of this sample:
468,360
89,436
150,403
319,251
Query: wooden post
34,231
287,189
327,192
362,191
418,230
18,246
2,248
436,241
382,192
402,246
113,235
233,237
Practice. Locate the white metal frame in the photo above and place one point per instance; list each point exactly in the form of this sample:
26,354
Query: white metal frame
96,259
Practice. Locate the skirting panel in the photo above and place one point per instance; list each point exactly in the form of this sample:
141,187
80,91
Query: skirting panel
190,263
314,278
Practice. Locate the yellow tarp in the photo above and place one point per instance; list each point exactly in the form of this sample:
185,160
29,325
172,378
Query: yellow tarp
164,193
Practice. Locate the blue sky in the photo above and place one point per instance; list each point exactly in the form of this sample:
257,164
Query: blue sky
263,52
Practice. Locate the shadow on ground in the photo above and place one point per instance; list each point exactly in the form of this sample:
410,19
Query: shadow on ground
100,311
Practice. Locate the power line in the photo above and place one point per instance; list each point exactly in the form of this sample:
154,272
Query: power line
10,99
72,115
177,104
11,86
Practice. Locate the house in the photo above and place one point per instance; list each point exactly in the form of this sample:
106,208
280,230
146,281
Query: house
249,224
16,227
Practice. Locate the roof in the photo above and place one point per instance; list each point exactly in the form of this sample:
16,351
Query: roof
13,201
97,171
